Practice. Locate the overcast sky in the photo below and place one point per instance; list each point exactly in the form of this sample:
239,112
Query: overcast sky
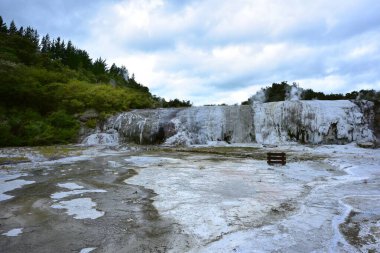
219,51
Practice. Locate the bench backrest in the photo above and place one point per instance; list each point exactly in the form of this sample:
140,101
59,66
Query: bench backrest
276,158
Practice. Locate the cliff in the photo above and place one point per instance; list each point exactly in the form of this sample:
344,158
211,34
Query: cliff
313,122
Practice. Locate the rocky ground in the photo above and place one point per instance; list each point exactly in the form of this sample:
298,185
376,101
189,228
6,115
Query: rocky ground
197,199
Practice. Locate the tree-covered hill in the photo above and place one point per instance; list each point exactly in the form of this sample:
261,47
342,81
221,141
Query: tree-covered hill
47,85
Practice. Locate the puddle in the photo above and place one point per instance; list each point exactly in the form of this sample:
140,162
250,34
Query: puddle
87,250
13,232
9,183
81,208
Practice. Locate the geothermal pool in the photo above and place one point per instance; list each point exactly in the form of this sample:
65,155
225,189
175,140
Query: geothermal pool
218,198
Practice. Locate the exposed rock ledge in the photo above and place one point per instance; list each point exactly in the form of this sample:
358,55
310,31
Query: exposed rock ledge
312,122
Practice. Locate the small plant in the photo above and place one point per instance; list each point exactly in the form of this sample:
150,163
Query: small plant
91,123
53,152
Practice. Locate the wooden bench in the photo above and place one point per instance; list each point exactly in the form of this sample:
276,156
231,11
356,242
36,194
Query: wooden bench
276,158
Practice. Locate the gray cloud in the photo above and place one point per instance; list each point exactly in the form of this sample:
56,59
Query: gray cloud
223,49
64,18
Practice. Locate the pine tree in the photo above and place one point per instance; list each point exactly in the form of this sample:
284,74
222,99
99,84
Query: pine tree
99,66
57,49
124,73
21,31
70,56
36,38
114,70
32,35
3,26
45,44
12,28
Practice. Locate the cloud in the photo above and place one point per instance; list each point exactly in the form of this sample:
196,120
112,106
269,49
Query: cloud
212,50
65,18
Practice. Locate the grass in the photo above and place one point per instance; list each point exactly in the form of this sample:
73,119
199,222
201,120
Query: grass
256,153
55,152
13,160
240,152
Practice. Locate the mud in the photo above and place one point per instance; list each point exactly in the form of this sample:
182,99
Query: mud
197,199
131,223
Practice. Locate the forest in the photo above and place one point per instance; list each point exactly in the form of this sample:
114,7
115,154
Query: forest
47,85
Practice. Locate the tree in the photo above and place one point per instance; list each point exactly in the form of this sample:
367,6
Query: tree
124,72
247,102
57,49
277,91
3,26
69,58
32,36
21,31
371,95
45,44
83,59
12,28
99,66
114,70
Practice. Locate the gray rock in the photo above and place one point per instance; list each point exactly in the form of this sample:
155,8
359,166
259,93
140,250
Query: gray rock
309,122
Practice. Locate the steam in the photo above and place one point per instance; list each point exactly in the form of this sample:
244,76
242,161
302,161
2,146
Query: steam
294,94
276,93
259,97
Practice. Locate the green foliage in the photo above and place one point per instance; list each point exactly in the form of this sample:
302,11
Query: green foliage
3,26
91,123
276,92
279,91
45,86
57,151
162,103
19,128
12,28
309,94
247,102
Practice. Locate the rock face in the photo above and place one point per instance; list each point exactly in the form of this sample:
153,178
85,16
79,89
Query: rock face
198,125
314,122
195,125
110,138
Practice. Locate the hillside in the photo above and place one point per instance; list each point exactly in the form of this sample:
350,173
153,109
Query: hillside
49,89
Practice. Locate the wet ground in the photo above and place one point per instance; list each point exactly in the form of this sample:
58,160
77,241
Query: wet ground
204,199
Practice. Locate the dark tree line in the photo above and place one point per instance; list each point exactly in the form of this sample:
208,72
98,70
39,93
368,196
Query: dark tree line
25,44
280,92
162,103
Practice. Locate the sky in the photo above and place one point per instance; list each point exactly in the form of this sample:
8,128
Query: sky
219,51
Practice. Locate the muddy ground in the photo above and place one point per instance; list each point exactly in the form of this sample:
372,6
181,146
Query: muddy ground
130,224
179,200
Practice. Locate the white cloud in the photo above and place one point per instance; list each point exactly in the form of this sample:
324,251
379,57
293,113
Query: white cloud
215,51
327,84
193,49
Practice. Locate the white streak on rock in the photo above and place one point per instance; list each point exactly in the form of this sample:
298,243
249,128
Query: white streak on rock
81,208
8,184
13,232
